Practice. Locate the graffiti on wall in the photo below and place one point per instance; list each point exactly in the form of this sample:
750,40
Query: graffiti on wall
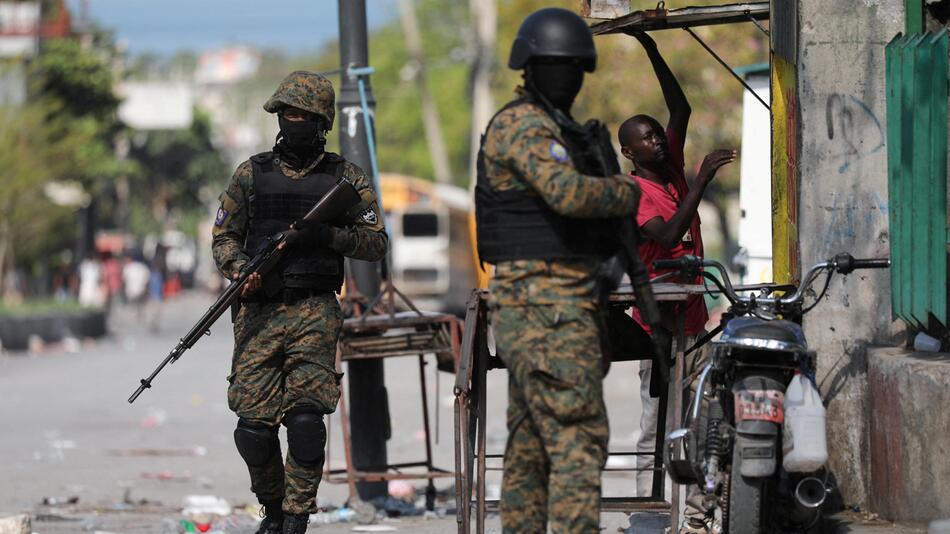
854,131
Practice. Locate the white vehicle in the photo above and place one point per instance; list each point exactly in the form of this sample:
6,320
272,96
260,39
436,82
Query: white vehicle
754,260
431,248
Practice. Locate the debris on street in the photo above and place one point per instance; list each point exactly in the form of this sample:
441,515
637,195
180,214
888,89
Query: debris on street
205,505
163,452
59,501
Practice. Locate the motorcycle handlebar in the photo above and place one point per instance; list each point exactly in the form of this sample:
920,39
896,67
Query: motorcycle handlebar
845,263
842,263
682,263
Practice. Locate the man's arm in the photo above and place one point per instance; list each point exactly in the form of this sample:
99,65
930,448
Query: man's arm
364,238
668,233
541,159
673,94
230,223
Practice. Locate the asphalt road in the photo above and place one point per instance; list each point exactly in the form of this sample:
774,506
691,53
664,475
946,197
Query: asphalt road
68,433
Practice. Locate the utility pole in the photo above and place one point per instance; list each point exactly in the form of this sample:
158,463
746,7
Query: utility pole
369,407
430,113
485,21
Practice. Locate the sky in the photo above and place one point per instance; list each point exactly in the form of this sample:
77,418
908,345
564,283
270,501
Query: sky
164,27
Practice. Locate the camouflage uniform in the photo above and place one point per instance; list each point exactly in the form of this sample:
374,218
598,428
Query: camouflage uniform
547,322
284,354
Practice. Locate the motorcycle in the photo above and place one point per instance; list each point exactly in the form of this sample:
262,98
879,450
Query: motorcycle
753,437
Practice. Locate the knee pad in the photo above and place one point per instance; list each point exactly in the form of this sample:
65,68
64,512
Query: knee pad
256,442
306,436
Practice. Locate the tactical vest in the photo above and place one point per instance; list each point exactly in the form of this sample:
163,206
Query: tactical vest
276,201
519,225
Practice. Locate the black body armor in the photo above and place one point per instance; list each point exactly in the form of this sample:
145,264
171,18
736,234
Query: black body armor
275,202
519,225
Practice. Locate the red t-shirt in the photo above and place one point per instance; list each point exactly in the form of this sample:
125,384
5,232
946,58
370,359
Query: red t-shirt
660,201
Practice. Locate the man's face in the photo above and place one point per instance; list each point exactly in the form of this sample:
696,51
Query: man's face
646,143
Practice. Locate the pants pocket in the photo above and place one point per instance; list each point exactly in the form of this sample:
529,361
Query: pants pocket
567,394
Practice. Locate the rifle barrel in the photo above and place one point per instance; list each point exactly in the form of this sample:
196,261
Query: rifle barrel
193,335
340,198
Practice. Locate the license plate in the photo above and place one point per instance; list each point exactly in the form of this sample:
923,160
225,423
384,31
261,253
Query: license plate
760,405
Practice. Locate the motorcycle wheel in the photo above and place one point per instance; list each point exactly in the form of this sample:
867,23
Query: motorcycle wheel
746,513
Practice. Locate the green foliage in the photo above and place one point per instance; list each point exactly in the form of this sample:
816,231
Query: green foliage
400,134
60,138
37,147
175,171
39,307
78,77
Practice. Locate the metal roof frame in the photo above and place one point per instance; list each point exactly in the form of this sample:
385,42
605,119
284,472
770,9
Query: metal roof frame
687,18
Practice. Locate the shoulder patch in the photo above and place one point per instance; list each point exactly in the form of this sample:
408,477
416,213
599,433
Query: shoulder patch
558,152
369,216
220,217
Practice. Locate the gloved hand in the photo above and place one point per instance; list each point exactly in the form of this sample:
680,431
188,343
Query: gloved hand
311,233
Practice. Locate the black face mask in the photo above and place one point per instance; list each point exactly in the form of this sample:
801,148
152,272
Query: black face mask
305,138
558,82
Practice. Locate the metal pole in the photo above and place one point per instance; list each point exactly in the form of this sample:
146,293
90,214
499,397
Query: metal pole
369,408
727,67
430,113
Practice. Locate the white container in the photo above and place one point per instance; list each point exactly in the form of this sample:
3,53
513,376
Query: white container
803,433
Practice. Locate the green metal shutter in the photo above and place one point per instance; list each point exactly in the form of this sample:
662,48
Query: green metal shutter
916,71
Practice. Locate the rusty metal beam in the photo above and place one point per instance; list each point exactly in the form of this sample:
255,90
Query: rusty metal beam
687,17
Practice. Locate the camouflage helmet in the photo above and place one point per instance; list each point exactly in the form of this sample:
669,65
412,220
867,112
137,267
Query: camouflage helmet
305,90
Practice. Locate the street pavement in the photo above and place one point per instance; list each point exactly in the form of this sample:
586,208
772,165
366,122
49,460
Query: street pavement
78,458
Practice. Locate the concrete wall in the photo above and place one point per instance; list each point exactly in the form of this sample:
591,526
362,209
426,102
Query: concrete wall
843,207
909,434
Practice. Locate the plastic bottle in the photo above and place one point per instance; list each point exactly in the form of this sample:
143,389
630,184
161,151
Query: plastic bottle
803,434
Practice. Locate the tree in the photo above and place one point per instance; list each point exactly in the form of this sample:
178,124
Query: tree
37,148
175,172
61,138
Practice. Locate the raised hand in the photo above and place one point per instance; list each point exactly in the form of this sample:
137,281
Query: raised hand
712,162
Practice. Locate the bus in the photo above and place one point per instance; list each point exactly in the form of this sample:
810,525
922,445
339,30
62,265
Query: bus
431,259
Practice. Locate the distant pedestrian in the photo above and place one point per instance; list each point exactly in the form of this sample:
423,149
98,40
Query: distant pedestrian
112,277
92,291
153,306
135,278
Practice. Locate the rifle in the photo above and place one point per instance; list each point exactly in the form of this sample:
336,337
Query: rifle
341,197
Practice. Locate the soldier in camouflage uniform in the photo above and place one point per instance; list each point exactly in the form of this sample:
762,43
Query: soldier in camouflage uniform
541,223
286,331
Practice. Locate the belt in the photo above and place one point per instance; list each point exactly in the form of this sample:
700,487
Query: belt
288,295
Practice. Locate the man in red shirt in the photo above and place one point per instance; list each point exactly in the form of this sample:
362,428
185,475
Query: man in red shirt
670,226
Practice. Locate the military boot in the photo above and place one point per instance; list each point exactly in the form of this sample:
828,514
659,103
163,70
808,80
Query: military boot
273,522
296,523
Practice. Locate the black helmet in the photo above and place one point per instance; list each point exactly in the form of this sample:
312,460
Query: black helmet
553,32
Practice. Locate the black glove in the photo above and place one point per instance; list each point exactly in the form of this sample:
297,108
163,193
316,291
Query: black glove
311,232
